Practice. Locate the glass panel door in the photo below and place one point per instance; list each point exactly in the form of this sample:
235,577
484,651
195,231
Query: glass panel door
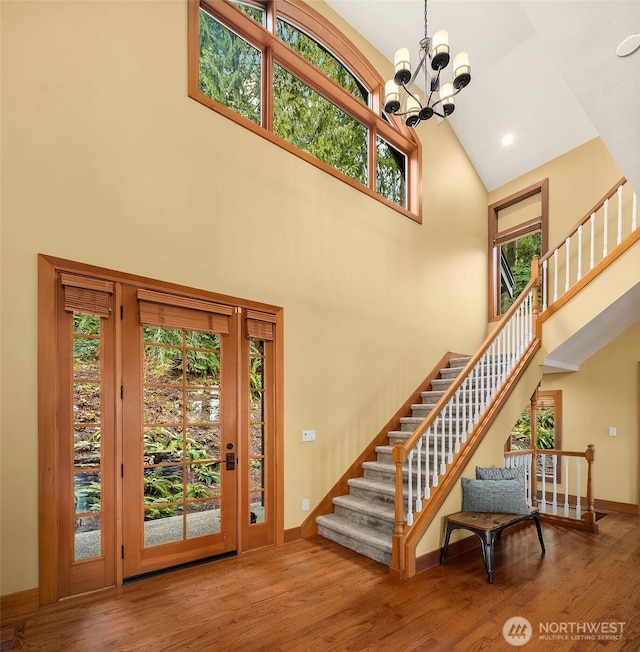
179,445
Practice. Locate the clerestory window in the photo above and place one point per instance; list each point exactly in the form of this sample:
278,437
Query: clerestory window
281,70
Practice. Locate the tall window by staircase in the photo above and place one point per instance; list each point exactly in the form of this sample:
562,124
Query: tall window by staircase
539,426
281,70
517,233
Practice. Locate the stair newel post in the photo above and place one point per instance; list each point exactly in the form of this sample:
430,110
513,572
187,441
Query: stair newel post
535,277
534,471
590,516
398,560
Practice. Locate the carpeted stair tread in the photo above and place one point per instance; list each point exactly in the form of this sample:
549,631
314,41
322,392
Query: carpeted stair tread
376,509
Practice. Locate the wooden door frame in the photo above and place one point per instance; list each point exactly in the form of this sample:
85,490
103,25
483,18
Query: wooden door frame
49,435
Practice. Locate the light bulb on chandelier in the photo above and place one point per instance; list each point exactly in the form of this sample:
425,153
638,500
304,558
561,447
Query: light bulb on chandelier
434,58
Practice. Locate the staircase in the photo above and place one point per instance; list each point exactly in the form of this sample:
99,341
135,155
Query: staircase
363,520
388,510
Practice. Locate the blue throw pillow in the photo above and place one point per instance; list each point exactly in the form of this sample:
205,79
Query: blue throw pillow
494,496
499,473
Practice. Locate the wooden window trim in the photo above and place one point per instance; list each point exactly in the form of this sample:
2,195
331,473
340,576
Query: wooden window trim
396,133
496,237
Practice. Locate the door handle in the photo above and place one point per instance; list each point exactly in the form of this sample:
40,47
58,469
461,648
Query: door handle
231,461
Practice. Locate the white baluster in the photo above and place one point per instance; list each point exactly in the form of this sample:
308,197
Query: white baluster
579,252
483,381
476,390
443,442
434,482
578,507
410,492
606,228
545,270
418,476
566,485
555,275
463,387
458,395
619,238
493,376
427,453
567,243
592,252
450,453
543,502
527,477
634,214
554,459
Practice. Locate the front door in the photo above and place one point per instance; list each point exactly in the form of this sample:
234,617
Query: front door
180,376
159,426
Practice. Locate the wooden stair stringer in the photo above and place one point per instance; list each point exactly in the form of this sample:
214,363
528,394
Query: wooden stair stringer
309,526
431,506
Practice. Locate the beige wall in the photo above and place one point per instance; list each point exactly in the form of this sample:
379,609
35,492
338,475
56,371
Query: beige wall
577,180
604,393
105,160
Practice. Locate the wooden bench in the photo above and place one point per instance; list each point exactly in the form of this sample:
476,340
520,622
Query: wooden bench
487,527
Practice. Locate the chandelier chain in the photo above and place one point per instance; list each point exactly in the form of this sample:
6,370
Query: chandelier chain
426,33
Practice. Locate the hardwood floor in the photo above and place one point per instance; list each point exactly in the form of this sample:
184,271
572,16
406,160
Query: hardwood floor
312,594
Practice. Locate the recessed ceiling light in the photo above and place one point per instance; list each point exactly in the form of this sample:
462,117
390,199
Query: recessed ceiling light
628,46
507,140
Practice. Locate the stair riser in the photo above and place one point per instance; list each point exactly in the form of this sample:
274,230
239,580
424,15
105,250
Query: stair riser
356,546
360,492
441,385
386,457
410,426
367,520
420,411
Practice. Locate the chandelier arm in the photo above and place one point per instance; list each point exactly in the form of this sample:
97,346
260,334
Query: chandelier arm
431,90
408,92
444,98
421,65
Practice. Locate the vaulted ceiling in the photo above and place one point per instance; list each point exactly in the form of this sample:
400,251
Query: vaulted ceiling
545,71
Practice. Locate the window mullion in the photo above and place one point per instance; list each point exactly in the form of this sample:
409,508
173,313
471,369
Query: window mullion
373,157
267,89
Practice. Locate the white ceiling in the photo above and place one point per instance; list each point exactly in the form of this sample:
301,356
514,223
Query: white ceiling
544,70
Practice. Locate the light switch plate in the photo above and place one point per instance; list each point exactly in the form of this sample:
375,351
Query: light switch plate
308,435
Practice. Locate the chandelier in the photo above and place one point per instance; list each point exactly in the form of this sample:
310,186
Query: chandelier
434,58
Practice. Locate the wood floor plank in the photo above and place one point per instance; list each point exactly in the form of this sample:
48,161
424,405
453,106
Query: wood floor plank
312,595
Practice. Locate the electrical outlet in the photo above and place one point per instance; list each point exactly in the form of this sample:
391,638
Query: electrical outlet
308,435
305,504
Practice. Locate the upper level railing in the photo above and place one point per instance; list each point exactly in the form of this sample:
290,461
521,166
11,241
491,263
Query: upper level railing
603,228
560,483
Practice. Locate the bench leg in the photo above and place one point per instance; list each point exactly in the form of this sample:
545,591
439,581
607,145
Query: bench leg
536,518
488,539
443,554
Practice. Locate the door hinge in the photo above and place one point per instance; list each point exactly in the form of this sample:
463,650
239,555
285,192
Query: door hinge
121,391
121,312
122,552
122,470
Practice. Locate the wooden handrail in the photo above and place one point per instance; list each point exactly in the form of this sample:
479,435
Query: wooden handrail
460,378
598,205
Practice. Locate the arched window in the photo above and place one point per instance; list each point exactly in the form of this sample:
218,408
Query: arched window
283,71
